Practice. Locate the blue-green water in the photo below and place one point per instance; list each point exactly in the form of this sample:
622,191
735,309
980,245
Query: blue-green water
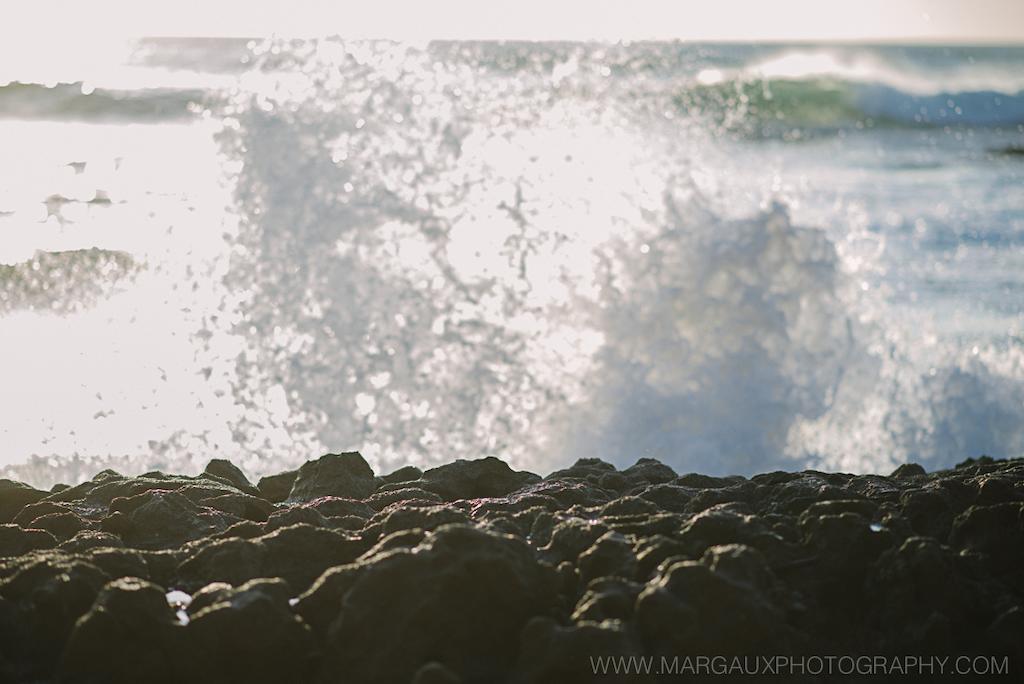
732,258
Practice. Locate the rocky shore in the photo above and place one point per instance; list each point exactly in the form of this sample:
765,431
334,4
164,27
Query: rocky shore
474,572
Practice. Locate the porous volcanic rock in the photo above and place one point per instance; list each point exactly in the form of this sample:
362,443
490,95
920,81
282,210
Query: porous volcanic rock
344,475
475,572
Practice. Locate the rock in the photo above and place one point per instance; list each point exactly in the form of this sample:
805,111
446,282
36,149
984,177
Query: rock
607,598
49,592
399,517
908,471
482,478
231,560
14,496
1006,633
319,605
567,654
996,531
276,488
99,492
724,524
654,550
129,635
90,539
119,562
562,494
629,505
589,469
63,525
473,572
160,519
295,515
250,634
668,497
344,475
570,538
298,554
435,673
696,608
845,546
918,599
383,499
32,511
649,471
230,473
610,556
15,541
334,506
460,598
404,474
929,511
994,490
206,597
698,481
240,506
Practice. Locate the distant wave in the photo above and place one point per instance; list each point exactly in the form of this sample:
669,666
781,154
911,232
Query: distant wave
76,101
828,88
63,281
767,106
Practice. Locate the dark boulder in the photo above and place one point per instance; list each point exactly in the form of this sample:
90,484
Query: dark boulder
570,538
241,506
160,519
49,592
668,497
997,532
15,541
14,496
909,471
345,475
557,654
589,469
90,539
129,635
714,607
403,517
294,515
383,499
230,473
607,598
33,511
404,474
648,471
610,556
298,554
276,488
478,479
250,634
63,525
919,600
460,598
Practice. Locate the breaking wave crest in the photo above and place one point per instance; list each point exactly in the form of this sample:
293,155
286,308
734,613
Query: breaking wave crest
80,102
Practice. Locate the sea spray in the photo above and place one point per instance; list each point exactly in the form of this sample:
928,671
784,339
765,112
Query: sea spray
726,257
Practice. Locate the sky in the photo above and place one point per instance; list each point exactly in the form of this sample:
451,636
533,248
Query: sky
963,21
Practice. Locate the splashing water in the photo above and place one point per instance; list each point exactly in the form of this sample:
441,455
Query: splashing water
546,252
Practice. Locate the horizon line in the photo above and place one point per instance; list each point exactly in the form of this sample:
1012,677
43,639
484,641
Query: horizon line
865,41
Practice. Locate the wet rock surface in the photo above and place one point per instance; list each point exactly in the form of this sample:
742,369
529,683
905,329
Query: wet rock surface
474,572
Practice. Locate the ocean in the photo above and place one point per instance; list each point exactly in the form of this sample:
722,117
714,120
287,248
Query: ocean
731,258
